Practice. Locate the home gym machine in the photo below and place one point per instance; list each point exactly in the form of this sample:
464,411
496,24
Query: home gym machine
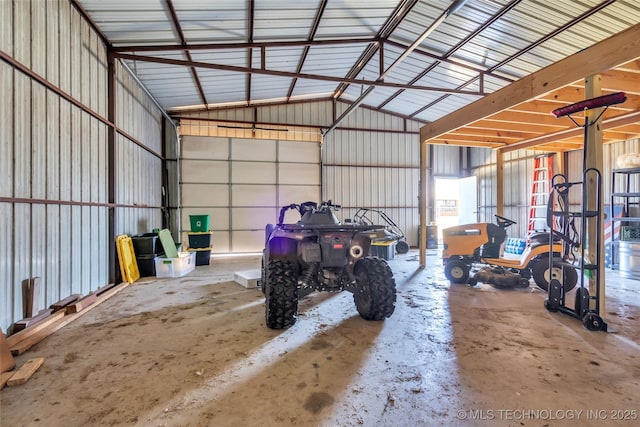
561,221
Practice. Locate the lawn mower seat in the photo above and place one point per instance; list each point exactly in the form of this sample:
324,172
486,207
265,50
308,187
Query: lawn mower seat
495,238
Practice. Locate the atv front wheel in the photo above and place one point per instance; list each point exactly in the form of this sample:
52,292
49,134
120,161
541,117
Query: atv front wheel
542,275
281,293
375,293
456,271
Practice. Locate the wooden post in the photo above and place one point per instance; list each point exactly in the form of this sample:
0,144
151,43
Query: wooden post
30,296
499,183
593,159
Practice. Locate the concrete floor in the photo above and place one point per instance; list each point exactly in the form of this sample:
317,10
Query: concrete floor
194,351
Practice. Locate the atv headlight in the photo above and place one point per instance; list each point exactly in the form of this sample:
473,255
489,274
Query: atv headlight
356,251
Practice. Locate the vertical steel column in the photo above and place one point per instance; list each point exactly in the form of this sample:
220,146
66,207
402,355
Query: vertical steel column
422,204
166,218
114,270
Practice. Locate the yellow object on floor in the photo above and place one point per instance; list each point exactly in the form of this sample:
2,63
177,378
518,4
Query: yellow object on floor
127,258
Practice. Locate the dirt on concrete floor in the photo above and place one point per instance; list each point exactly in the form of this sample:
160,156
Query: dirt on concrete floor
194,351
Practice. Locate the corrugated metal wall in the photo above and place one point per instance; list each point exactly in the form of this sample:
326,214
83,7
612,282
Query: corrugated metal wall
374,170
371,160
54,177
611,153
138,167
518,177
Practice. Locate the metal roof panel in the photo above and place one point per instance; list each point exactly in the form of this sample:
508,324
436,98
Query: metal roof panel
517,43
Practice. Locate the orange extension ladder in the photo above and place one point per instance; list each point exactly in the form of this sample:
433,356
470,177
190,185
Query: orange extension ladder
540,189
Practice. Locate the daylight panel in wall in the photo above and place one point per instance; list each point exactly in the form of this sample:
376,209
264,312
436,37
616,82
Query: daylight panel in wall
241,184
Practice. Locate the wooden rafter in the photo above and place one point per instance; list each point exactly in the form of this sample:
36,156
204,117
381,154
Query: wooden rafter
518,116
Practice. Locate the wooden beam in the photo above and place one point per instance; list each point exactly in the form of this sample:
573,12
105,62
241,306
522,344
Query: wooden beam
565,95
82,304
525,118
571,94
4,377
27,370
513,127
467,143
491,133
613,122
603,56
28,321
65,302
631,66
33,339
545,106
614,80
451,137
30,296
18,337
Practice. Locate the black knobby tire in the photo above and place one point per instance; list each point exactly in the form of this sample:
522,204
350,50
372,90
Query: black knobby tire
402,247
375,293
281,294
456,271
263,275
542,276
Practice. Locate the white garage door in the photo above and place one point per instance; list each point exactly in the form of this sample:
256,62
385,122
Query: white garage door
242,183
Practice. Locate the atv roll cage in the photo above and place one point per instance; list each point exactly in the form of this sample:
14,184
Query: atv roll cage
363,216
306,208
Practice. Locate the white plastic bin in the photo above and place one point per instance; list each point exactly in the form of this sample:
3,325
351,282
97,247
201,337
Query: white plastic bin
176,267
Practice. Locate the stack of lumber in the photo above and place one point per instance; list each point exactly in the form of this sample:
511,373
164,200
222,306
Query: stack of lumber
32,330
22,375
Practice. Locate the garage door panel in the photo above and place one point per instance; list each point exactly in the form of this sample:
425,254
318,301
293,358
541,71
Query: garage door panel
241,183
253,218
298,194
247,241
218,217
298,152
299,173
204,147
253,172
220,241
254,195
205,171
253,149
205,195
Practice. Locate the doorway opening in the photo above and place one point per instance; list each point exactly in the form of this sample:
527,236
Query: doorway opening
456,202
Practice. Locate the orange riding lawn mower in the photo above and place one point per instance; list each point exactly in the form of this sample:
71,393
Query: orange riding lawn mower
481,244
